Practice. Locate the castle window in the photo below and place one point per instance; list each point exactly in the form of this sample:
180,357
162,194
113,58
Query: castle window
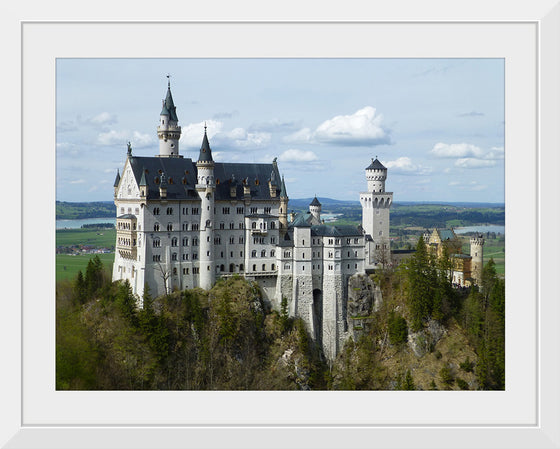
196,270
303,268
254,210
231,254
208,253
254,267
195,241
240,210
217,240
240,225
194,227
169,227
222,226
240,253
241,268
185,241
303,243
232,240
272,253
195,256
222,267
169,211
156,227
273,267
253,225
240,239
263,253
174,241
232,225
156,210
267,210
185,271
156,243
272,225
263,267
174,256
272,239
355,253
254,253
225,210
185,257
194,210
221,254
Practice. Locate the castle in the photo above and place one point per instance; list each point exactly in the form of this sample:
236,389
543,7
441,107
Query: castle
183,224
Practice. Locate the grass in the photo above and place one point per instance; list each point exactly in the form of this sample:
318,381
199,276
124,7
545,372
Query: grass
100,238
67,266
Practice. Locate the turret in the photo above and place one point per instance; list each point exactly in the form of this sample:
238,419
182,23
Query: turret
143,184
283,211
205,187
116,184
169,132
477,254
376,175
315,209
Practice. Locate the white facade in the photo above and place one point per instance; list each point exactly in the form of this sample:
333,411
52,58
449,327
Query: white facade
182,225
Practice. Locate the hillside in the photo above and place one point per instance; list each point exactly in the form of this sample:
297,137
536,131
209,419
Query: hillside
421,335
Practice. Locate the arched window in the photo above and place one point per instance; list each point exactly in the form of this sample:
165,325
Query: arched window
254,253
263,267
156,227
174,241
231,268
273,267
254,267
253,225
272,253
174,256
222,268
169,226
272,225
263,253
241,267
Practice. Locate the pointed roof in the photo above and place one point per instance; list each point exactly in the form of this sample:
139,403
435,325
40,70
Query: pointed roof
168,107
315,202
117,179
143,178
283,193
205,150
376,165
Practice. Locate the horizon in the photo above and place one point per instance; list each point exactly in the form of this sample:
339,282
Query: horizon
436,124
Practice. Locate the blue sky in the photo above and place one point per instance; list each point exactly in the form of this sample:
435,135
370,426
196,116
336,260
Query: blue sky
436,124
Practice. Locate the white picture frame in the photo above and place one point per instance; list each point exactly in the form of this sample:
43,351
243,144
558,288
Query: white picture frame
34,415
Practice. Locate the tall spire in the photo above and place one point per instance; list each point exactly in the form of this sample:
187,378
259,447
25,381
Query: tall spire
169,131
205,150
283,193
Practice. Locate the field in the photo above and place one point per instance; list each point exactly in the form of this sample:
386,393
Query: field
67,266
100,238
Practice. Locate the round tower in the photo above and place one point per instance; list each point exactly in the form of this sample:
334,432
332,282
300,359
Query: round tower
168,130
205,187
315,209
376,175
477,254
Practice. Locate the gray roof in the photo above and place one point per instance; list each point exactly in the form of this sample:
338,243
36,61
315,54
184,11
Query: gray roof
205,150
168,107
301,221
376,165
336,231
447,234
315,202
181,178
117,179
283,193
129,216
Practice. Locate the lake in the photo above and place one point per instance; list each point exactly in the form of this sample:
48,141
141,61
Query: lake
73,224
481,228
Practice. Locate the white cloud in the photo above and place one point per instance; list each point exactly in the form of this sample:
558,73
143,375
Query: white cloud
361,128
454,150
474,163
192,134
137,139
294,155
104,118
240,138
78,181
405,166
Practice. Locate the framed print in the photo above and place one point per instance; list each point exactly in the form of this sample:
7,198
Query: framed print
525,414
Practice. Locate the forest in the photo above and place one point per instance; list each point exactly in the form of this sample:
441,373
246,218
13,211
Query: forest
425,335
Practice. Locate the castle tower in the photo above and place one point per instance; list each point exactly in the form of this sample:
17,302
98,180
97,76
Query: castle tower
169,132
376,204
477,254
283,211
315,209
206,187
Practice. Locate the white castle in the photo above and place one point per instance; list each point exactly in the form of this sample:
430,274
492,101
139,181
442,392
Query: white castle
184,224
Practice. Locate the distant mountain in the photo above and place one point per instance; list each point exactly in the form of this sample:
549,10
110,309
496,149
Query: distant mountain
304,203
